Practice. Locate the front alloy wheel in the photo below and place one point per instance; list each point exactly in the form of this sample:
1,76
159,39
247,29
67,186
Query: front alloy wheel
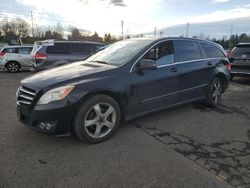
97,119
100,120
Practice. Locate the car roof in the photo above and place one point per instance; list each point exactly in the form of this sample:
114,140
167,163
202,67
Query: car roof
23,46
78,42
243,45
157,39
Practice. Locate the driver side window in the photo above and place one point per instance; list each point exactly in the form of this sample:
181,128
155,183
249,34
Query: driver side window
162,54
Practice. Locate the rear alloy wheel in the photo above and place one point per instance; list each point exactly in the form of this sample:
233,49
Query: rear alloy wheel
13,67
214,93
97,119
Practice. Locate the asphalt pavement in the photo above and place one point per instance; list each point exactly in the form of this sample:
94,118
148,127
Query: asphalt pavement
186,146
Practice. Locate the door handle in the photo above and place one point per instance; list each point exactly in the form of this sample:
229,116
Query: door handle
209,63
174,69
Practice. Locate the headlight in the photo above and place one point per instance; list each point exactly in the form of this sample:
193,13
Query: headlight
56,94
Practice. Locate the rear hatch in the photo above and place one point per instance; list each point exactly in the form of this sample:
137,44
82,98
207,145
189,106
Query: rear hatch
2,53
38,56
240,58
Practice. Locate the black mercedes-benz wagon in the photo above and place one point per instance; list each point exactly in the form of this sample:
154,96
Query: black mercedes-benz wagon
126,80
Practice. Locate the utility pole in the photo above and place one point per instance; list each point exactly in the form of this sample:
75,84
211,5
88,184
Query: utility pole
122,24
32,26
187,29
161,33
155,31
231,32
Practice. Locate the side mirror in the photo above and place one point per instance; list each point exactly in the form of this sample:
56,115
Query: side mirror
146,64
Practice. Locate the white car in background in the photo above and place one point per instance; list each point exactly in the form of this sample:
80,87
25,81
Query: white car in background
15,58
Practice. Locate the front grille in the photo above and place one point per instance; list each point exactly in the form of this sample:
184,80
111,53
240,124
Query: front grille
25,95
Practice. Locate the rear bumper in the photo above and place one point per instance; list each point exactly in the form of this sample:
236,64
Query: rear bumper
241,72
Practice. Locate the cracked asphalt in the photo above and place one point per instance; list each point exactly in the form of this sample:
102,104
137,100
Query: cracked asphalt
186,146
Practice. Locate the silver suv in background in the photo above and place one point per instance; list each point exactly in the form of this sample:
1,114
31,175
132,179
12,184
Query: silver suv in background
49,53
15,58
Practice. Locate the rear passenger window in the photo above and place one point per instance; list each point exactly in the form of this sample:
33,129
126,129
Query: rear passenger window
24,50
241,51
212,51
58,48
82,49
162,54
10,50
187,50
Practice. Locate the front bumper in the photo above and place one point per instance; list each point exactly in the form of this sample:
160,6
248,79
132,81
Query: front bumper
59,114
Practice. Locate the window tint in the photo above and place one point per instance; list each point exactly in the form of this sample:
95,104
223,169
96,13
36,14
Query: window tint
241,52
162,54
83,48
203,53
24,50
187,50
212,51
99,47
58,48
10,50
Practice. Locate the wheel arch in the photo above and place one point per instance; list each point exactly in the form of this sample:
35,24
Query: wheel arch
9,61
223,79
121,100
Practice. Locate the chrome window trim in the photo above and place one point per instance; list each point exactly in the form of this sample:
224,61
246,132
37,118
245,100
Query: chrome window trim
166,95
183,62
131,69
234,72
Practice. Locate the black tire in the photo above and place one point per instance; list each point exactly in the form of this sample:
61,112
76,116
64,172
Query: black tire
105,125
214,93
13,67
232,77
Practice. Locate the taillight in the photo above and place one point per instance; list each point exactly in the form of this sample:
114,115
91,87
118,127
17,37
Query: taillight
41,56
2,54
229,55
228,66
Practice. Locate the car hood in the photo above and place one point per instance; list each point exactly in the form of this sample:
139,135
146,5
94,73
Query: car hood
66,74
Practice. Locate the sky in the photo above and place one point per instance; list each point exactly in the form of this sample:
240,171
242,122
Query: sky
139,16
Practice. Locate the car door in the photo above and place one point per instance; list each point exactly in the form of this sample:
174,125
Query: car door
195,69
24,57
58,54
81,51
154,89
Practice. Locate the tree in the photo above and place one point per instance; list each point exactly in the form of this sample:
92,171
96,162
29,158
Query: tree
57,36
21,27
75,34
15,27
107,38
48,34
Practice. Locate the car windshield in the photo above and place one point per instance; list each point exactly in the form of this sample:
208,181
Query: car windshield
120,52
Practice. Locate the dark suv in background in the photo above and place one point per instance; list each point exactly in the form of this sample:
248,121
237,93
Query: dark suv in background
239,56
49,54
126,80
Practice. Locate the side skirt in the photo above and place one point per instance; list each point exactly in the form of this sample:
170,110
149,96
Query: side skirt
133,116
